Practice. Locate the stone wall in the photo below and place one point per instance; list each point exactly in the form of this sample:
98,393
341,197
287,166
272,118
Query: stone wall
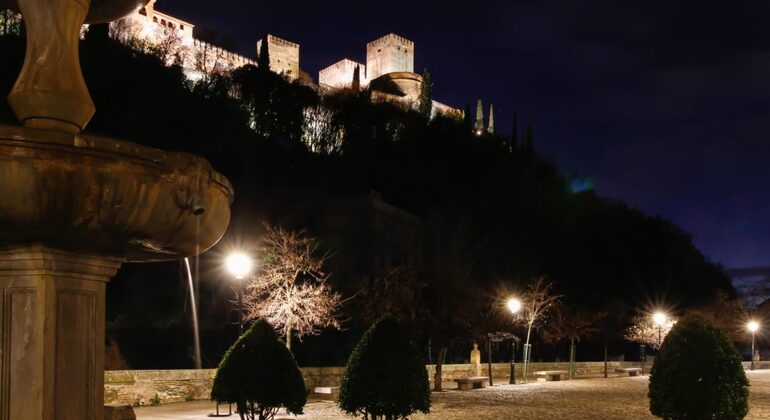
148,387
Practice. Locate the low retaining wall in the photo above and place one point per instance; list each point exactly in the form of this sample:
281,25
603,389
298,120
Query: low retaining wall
152,387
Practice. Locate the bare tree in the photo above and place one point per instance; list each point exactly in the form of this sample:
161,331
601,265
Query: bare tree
537,301
573,324
644,330
321,131
290,288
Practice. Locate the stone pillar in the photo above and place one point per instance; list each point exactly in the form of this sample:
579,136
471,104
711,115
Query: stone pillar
52,342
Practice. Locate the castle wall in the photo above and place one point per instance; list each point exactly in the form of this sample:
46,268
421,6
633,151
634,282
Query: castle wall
340,74
284,56
391,53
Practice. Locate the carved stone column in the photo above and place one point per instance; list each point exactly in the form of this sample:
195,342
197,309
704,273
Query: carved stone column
52,350
50,92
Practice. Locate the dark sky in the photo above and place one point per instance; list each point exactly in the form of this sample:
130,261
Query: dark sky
664,103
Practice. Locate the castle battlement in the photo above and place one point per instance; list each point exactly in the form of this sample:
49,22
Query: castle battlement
340,74
284,56
390,37
272,39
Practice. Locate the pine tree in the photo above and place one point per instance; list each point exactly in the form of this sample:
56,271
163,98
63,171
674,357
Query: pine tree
259,374
425,102
479,128
264,55
385,377
491,128
528,147
356,85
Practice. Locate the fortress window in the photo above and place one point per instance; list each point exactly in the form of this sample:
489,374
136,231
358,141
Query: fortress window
155,19
143,11
181,27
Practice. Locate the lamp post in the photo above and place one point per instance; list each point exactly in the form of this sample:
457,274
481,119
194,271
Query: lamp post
660,318
514,305
752,326
239,265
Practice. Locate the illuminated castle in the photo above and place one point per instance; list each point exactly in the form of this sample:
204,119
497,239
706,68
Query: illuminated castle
388,72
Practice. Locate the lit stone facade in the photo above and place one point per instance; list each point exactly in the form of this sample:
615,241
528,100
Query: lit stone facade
162,20
340,74
174,39
389,54
284,56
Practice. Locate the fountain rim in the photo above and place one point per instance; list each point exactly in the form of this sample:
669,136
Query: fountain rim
98,146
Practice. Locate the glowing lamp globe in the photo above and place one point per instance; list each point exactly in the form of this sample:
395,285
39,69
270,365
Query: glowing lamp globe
753,326
239,265
514,305
659,318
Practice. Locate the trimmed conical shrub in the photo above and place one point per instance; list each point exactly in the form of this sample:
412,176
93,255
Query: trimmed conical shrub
260,375
385,376
698,374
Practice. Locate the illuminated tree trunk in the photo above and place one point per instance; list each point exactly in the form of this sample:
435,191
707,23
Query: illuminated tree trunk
438,377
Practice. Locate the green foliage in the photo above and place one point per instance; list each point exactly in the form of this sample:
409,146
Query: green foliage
10,23
260,375
385,376
698,374
155,400
425,100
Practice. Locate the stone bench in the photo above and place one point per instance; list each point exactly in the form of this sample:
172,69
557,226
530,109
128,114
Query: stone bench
474,382
327,392
551,375
629,371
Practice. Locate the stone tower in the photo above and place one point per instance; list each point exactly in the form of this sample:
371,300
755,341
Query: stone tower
284,56
389,54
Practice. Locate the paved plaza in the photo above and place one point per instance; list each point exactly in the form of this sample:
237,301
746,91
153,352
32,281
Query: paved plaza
595,398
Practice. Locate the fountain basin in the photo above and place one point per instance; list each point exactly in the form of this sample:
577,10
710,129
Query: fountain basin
107,197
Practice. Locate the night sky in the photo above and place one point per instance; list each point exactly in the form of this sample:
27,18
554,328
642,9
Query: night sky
664,104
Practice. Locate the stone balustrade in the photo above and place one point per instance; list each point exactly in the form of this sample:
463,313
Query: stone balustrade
148,387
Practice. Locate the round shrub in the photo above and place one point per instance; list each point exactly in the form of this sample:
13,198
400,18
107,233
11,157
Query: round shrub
698,374
385,376
260,375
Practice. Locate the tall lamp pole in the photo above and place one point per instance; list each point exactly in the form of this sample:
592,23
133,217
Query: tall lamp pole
660,318
239,265
753,326
514,305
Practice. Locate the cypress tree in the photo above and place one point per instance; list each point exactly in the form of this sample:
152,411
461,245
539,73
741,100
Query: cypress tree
263,61
356,85
479,127
491,127
425,102
467,121
528,147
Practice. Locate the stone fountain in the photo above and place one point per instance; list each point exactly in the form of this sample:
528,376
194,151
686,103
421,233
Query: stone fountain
73,208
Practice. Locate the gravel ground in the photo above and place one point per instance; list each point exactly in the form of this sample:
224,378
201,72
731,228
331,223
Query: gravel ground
595,398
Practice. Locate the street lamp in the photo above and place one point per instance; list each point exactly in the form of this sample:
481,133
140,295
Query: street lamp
660,318
514,305
239,265
752,326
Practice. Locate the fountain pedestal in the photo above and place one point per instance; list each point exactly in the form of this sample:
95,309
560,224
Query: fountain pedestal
52,352
72,209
